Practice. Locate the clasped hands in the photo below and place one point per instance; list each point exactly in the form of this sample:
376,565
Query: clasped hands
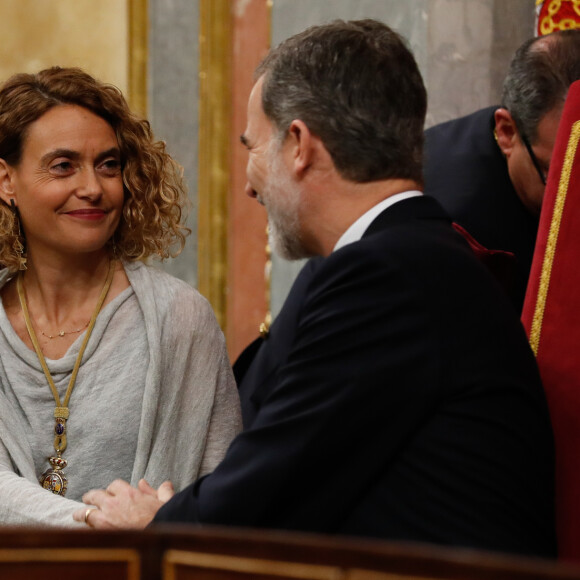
123,506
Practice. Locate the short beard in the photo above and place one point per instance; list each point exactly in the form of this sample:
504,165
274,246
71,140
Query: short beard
286,241
283,215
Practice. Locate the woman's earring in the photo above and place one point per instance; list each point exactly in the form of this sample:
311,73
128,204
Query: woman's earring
113,246
18,245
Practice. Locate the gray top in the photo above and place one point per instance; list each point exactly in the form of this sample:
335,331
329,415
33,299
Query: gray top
154,398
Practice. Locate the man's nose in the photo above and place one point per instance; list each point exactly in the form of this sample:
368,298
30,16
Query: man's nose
250,191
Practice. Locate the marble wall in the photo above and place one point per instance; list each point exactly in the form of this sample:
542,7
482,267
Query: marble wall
91,35
463,48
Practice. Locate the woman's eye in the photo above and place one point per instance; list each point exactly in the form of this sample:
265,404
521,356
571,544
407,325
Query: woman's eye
111,166
62,167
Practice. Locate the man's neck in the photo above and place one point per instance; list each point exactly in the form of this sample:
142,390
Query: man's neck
342,206
357,229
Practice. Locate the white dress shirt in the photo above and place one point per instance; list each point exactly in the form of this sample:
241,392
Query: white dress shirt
356,230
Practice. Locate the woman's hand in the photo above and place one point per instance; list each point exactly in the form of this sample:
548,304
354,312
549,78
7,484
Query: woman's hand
121,506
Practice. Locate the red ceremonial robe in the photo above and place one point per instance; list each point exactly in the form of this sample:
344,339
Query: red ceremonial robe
551,316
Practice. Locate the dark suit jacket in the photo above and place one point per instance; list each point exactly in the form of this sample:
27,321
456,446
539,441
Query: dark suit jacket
467,173
396,397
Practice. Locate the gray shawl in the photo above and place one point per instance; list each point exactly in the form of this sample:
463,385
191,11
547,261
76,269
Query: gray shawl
190,409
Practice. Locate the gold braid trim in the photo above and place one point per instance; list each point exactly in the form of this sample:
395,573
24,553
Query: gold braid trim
550,252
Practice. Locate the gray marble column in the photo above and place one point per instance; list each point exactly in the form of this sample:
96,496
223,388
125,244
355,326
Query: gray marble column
173,102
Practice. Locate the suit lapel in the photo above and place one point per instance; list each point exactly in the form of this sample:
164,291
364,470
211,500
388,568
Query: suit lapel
264,357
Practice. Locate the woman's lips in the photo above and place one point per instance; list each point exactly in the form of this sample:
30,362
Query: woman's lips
88,214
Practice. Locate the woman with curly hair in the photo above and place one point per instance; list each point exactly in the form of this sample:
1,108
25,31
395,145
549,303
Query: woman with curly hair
109,368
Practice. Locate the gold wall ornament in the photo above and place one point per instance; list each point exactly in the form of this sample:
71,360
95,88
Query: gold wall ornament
214,151
87,34
553,15
138,51
264,327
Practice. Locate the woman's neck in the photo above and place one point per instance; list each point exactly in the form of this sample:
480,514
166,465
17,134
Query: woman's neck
59,294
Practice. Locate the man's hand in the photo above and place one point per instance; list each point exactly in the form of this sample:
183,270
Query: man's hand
122,506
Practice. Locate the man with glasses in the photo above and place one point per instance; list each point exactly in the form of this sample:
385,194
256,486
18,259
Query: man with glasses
489,169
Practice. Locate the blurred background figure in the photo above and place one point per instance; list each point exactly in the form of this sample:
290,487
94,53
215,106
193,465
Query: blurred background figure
489,169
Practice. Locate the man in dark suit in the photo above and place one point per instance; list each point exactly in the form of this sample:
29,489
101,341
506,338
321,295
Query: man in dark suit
488,169
396,396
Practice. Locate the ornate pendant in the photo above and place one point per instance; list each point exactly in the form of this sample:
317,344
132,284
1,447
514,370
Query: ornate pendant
54,479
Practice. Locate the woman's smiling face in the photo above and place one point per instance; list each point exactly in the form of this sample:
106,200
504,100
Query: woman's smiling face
68,184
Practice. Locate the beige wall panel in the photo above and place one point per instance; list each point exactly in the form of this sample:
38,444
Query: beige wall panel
93,35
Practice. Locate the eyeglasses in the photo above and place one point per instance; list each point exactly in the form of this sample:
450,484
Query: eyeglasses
533,157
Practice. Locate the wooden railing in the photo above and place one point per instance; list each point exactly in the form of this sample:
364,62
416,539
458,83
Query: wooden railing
188,553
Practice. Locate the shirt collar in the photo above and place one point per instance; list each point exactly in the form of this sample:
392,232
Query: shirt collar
356,230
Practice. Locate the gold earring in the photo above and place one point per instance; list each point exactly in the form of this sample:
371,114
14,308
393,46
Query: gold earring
113,246
18,246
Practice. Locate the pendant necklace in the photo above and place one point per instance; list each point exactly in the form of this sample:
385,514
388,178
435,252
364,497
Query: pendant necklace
63,333
53,479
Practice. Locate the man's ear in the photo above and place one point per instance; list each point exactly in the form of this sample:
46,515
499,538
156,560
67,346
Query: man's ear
301,142
506,132
6,185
